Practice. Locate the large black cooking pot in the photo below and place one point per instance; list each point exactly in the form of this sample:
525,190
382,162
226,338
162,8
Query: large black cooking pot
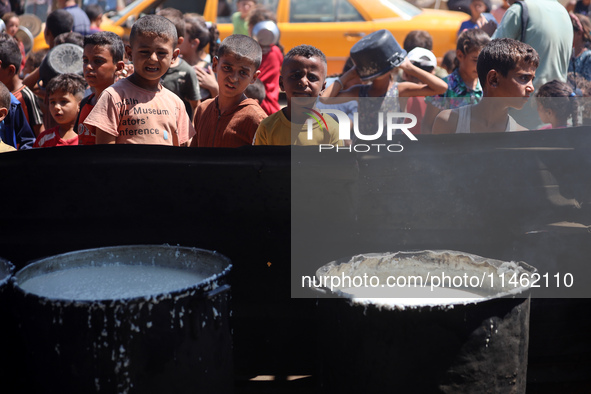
433,346
164,342
7,331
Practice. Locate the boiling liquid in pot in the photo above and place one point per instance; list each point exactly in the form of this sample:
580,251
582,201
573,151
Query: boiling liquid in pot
107,282
411,296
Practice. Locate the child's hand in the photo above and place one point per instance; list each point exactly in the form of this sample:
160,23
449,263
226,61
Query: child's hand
126,72
350,78
406,65
207,80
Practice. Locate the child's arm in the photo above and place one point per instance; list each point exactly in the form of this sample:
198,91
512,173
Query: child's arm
32,79
194,105
430,86
346,86
104,138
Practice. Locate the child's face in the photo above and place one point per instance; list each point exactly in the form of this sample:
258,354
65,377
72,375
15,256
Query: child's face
29,67
302,77
64,106
234,74
12,26
468,62
518,84
151,57
98,67
477,7
244,7
188,47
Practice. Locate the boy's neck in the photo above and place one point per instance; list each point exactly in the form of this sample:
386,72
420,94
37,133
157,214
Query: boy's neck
152,86
13,83
66,131
94,98
175,62
297,115
228,103
194,58
469,81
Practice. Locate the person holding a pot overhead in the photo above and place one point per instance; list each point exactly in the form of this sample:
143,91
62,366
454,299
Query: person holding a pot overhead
377,58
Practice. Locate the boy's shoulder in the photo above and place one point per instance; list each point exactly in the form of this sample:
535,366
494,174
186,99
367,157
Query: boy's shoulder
249,112
247,108
249,105
276,119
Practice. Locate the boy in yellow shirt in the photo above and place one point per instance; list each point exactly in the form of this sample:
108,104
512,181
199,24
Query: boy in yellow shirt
303,75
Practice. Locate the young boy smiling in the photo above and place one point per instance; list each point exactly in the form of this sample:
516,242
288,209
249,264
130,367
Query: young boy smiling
138,109
231,119
65,93
102,59
303,75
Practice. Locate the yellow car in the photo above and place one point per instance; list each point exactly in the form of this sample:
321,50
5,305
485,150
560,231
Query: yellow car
108,25
333,26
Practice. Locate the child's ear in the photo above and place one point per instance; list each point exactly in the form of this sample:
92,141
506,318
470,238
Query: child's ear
214,63
175,54
120,65
195,43
180,41
128,52
255,75
12,69
281,83
3,113
492,78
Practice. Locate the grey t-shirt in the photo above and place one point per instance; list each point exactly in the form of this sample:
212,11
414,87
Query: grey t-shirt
182,81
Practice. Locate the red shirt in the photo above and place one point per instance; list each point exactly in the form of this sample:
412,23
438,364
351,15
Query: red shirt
52,137
86,134
270,71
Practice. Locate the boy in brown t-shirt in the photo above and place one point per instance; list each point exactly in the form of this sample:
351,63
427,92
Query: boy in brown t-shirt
231,119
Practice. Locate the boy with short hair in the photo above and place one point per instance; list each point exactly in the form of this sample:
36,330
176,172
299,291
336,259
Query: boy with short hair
231,119
102,60
4,106
506,70
65,93
58,22
138,109
181,78
10,63
303,75
95,16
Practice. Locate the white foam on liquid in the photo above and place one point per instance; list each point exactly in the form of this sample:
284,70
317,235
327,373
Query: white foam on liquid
110,282
411,296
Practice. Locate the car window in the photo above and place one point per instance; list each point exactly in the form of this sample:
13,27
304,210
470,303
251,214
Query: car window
314,11
227,7
196,6
402,8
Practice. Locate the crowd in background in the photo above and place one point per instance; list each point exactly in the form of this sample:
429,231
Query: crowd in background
173,81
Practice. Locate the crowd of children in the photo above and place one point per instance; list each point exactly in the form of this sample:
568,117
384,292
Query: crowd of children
176,84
